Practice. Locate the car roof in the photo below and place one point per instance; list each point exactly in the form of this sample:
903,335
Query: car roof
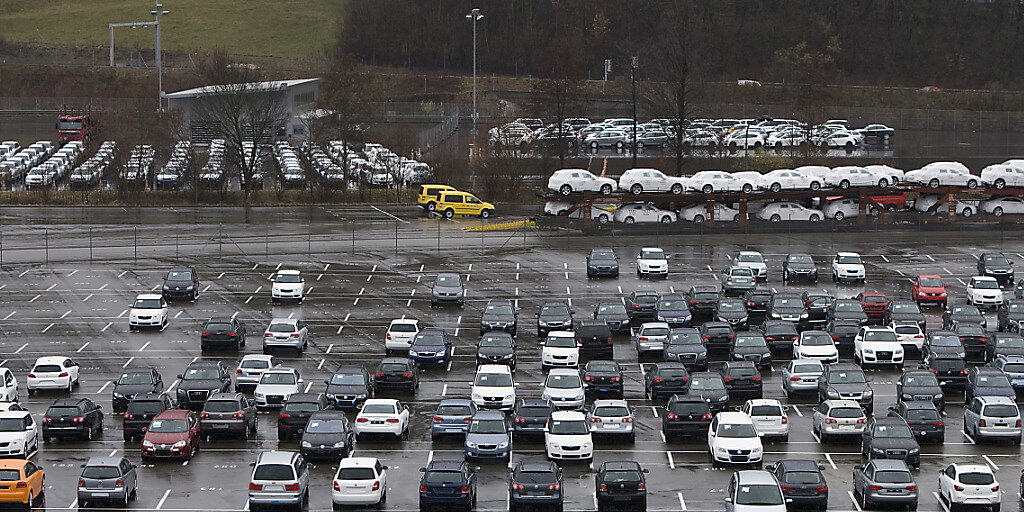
13,414
149,296
446,465
568,416
387,401
357,462
258,357
220,319
563,371
918,404
173,414
455,401
50,359
610,402
275,457
328,414
620,465
400,360
764,401
847,254
493,368
536,465
971,468
489,415
799,464
996,400
304,397
755,477
412,321
733,417
890,464
103,460
842,403
12,463
291,272
284,320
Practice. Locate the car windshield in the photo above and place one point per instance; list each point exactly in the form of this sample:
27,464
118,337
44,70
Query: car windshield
348,379
1001,411
536,477
168,426
706,384
611,309
569,427
891,431
800,258
893,477
136,378
147,304
806,368
945,340
976,478
731,307
749,258
766,410
493,380
498,309
533,411
847,378
217,326
802,477
183,275
931,282
648,254
684,338
288,278
273,472
429,339
448,281
673,373
848,307
12,424
487,427
921,414
997,259
453,410
787,302
326,427
672,305
965,311
1010,342
554,310
921,380
750,341
986,284
278,378
560,342
101,472
611,411
496,341
378,409
301,407
815,339
202,374
880,336
563,381
993,381
905,308
736,430
759,495
845,412
602,255
356,474
443,477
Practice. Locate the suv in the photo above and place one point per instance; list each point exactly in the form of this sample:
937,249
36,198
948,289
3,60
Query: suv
779,334
228,413
602,262
920,384
499,315
396,373
69,417
530,416
987,381
134,381
740,377
949,368
996,265
685,415
704,299
877,345
107,479
349,387
140,411
1010,315
181,283
295,413
535,484
446,484
666,379
19,436
922,418
251,368
226,332
452,417
838,417
846,381
496,348
758,300
717,336
642,306
737,280
279,478
488,436
200,380
286,333
447,289
621,484
594,339
686,346
802,483
890,438
674,309
993,416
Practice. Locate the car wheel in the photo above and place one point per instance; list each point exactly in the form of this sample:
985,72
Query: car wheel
883,183
431,206
972,184
815,217
776,187
845,184
699,219
776,218
565,189
606,189
997,211
849,147
677,189
1000,183
485,214
839,216
636,189
593,145
602,219
666,220
449,213
629,220
967,212
707,189
934,183
747,188
619,145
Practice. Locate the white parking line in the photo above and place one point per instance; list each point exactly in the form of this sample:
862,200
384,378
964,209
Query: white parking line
33,299
176,315
20,348
144,345
329,348
207,288
884,258
73,504
340,327
9,315
65,314
319,277
87,297
969,438
105,327
990,463
83,346
682,504
105,384
52,286
830,461
854,500
173,385
444,389
101,288
930,257
961,281
221,275
47,328
128,362
308,386
28,269
797,410
112,453
73,272
947,271
163,499
671,461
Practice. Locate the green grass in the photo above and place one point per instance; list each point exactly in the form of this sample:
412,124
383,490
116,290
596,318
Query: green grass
282,28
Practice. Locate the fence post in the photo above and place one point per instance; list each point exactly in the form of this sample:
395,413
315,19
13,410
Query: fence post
46,244
353,238
396,237
136,243
309,242
90,244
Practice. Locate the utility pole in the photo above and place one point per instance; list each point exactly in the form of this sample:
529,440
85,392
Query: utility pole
632,75
474,15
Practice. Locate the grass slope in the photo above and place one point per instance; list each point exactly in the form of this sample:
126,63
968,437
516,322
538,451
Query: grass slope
283,28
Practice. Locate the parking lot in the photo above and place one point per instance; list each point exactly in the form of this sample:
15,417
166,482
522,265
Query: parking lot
71,306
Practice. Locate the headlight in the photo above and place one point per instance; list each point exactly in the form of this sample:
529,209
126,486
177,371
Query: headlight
937,396
476,396
831,393
188,288
723,398
803,315
413,353
147,444
339,444
182,392
307,444
757,450
503,444
907,396
470,444
259,395
868,393
877,450
776,315
721,451
914,450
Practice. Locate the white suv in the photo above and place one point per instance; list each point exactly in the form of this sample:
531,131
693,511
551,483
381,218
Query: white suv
493,387
148,310
754,261
848,266
638,181
733,439
52,372
877,345
564,389
984,291
768,416
567,181
567,436
400,334
288,285
989,417
651,261
18,434
969,484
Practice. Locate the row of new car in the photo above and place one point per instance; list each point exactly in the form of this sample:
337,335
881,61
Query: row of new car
140,164
18,161
89,172
213,170
172,173
58,165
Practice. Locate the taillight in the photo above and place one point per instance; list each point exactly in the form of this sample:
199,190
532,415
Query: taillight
361,420
520,420
1018,423
32,375
658,379
232,334
786,488
392,420
604,487
785,420
292,487
238,371
595,420
389,335
554,487
911,487
876,487
707,336
284,415
995,488
255,487
938,423
336,486
438,418
128,416
207,334
80,419
378,374
376,485
423,488
615,379
268,335
727,379
22,485
862,420
821,488
757,378
119,482
627,420
295,335
63,374
750,303
641,487
707,416
46,420
465,489
958,487
963,372
981,423
518,487
467,419
407,375
204,414
81,482
831,420
238,415
672,416
794,379
643,338
589,378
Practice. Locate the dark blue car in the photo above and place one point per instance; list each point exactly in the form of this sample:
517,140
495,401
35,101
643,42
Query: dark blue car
446,484
431,347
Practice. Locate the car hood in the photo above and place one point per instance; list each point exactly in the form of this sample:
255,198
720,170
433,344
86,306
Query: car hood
199,384
554,318
802,266
956,351
922,390
850,388
738,443
348,389
494,351
612,318
731,314
909,316
894,443
851,315
496,318
788,310
276,388
686,349
750,350
882,345
994,391
601,375
322,439
929,289
602,263
447,289
560,351
278,286
150,312
563,392
567,439
818,350
8,437
850,266
177,283
132,389
170,438
713,395
1015,316
486,438
493,390
652,262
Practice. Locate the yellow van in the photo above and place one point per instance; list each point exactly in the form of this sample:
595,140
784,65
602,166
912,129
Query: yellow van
452,203
428,196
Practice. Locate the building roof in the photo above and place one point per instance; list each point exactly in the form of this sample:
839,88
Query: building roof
209,89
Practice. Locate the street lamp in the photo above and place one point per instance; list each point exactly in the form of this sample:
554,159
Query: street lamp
474,15
632,76
157,12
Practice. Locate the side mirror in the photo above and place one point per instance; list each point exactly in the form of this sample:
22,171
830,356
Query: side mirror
181,376
859,467
423,470
728,499
647,470
300,381
821,467
383,467
789,500
476,468
327,382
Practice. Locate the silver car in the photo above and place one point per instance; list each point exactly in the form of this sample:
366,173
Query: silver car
109,480
285,333
651,337
992,416
279,479
884,481
250,369
611,417
801,375
839,417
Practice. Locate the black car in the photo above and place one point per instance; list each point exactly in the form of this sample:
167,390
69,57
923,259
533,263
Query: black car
396,374
530,415
446,484
181,283
997,265
674,309
223,333
553,316
602,262
1004,344
328,435
612,313
847,309
499,315
535,484
878,132
685,416
843,332
703,299
1011,315
642,306
295,413
846,381
686,346
816,302
602,379
779,334
987,381
799,266
949,368
890,438
920,385
132,382
975,341
732,312
594,339
666,379
788,307
496,348
923,419
802,483
349,387
717,336
748,346
962,313
72,417
140,411
757,303
943,343
741,378
709,387
200,380
621,485
903,311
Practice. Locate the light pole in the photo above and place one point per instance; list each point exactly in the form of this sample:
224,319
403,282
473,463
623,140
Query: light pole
474,15
632,75
157,12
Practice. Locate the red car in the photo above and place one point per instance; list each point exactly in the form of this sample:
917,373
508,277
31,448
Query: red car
173,434
929,289
874,303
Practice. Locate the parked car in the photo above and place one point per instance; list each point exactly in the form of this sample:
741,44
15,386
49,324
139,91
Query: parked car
447,289
890,438
348,387
567,436
132,382
846,381
643,213
431,347
276,386
72,417
397,374
223,332
923,419
685,345
602,379
400,333
286,333
602,262
295,414
611,418
493,387
666,379
987,417
553,316
769,418
883,481
799,266
289,285
173,434
447,484
148,311
383,417
181,283
848,266
107,479
559,350
228,414
838,417
802,483
929,289
567,181
535,484
733,439
279,478
986,381
141,411
360,481
530,417
801,375
638,181
488,436
621,485
709,387
788,211
962,485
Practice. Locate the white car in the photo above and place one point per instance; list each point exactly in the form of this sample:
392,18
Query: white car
768,416
816,345
787,137
698,213
814,170
801,375
934,176
840,139
895,175
559,350
19,435
963,485
754,177
250,369
909,334
846,208
651,261
848,266
564,388
984,291
567,436
360,481
567,181
288,285
754,261
788,210
999,206
8,386
788,179
638,181
148,310
733,439
642,212
743,139
493,387
382,416
719,181
755,491
877,345
845,177
276,385
931,203
52,372
400,334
